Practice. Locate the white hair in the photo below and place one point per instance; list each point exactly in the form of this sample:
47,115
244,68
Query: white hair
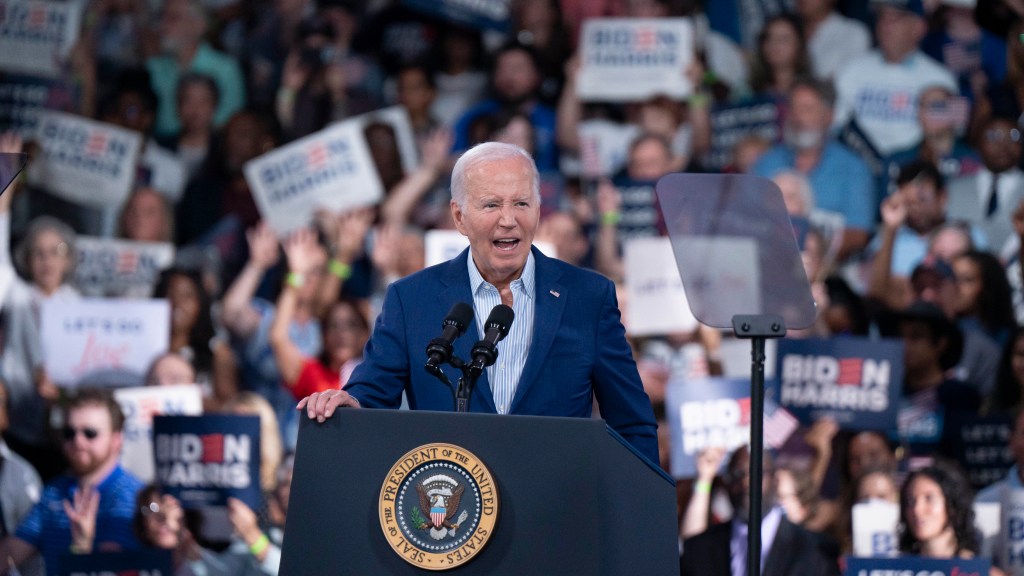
488,152
803,187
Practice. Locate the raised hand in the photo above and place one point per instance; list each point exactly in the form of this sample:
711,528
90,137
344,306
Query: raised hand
302,251
263,246
894,211
82,515
708,462
350,230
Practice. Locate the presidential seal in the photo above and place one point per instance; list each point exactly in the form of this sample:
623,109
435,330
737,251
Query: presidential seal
438,506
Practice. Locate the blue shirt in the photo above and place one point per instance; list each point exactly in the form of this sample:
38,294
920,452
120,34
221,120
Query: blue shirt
504,375
841,181
164,75
48,529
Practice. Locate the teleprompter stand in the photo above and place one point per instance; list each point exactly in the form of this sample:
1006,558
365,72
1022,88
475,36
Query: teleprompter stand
737,257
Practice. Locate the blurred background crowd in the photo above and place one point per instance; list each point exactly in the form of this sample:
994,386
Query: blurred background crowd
894,132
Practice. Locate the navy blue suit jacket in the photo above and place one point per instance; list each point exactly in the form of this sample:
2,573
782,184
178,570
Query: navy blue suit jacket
578,350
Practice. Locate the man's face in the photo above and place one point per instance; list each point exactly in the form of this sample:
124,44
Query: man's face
899,32
650,160
89,440
920,351
500,216
1000,146
179,27
808,121
933,113
926,206
739,484
515,77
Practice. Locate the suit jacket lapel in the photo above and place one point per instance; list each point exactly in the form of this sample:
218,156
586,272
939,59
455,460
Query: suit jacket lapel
549,303
457,289
781,551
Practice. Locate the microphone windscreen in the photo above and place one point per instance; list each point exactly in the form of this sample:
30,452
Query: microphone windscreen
501,317
461,315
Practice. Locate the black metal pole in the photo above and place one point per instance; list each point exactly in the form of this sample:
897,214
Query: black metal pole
756,450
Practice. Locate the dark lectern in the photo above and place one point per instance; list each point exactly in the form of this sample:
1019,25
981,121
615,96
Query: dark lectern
574,498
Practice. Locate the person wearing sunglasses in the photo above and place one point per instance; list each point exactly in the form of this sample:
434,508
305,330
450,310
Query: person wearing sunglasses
90,508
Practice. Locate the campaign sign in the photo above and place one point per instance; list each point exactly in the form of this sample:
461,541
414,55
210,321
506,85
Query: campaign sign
204,460
140,405
628,59
982,446
705,413
731,124
657,300
854,381
143,562
917,566
84,161
329,169
36,36
396,120
874,528
114,268
479,14
23,99
1010,541
103,342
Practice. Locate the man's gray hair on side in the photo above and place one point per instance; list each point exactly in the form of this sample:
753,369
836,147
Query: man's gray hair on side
488,152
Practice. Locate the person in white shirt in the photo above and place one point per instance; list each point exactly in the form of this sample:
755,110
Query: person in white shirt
879,90
832,39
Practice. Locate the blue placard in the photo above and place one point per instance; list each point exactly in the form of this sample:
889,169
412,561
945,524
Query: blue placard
982,446
150,562
732,123
704,413
854,381
204,460
916,566
480,14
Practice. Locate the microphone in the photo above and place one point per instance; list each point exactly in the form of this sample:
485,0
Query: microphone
439,350
485,352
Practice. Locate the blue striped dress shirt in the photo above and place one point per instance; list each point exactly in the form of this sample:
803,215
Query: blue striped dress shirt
504,375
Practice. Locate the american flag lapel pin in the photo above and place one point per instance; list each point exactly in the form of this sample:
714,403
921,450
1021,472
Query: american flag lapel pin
555,294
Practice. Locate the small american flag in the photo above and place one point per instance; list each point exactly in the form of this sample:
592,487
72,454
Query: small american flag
590,156
962,57
316,156
96,144
954,111
779,425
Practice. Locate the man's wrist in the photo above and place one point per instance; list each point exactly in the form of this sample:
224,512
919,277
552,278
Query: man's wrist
295,279
611,218
340,269
260,545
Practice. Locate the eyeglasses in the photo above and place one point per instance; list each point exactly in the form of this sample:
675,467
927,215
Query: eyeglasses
1000,135
70,432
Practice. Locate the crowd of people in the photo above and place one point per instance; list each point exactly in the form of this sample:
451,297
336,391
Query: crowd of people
897,140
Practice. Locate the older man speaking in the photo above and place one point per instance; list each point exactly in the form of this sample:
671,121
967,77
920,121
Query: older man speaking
566,345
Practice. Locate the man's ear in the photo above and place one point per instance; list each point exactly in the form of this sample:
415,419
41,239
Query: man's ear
457,216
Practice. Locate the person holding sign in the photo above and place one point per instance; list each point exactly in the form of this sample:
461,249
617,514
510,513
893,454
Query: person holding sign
89,509
936,517
565,347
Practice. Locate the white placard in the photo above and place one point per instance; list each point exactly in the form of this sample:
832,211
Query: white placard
443,245
657,301
139,406
625,59
36,36
1010,541
874,529
84,161
103,342
398,119
119,268
330,169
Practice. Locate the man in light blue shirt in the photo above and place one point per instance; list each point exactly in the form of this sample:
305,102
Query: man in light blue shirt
182,26
840,180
